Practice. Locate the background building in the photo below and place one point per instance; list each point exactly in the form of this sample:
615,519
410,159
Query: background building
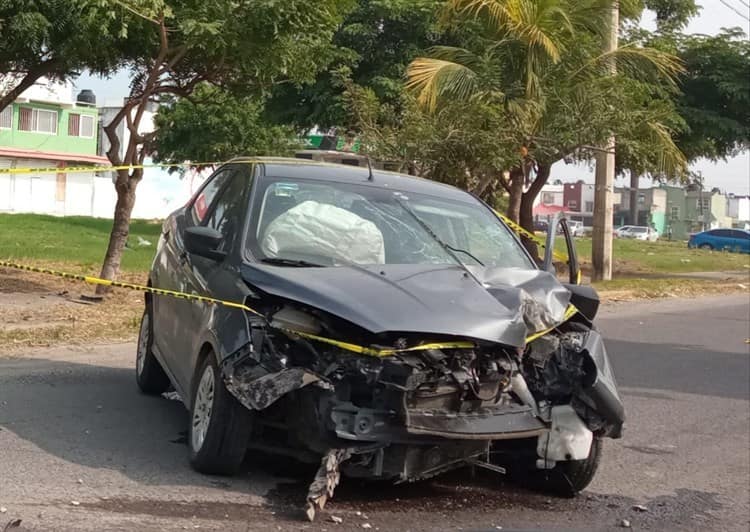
45,128
738,210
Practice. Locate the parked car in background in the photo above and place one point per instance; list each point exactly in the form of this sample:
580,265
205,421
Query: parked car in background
541,226
622,230
576,228
722,239
639,232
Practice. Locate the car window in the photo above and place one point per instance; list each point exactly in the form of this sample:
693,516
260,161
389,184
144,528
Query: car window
207,194
744,235
338,223
227,213
638,229
726,233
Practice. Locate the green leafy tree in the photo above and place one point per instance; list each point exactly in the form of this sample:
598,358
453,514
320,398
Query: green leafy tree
541,62
56,39
709,114
715,95
373,46
214,125
245,46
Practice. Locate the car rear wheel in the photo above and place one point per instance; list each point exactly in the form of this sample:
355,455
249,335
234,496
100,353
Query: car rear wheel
149,374
706,246
219,425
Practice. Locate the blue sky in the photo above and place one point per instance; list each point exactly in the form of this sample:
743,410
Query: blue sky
732,175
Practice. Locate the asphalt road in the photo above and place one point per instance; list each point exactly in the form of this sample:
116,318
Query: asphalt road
81,449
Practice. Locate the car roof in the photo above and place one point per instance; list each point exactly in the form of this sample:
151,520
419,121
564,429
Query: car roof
358,175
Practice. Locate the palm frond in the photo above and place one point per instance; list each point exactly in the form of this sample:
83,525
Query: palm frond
639,63
430,79
671,161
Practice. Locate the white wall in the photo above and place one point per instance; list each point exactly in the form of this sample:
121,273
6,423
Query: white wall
86,194
739,208
587,195
50,92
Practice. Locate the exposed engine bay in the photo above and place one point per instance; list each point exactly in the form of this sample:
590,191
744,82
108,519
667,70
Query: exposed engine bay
415,414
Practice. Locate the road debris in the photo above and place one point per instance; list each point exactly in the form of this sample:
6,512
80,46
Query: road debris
3,509
75,503
14,523
640,508
325,481
172,396
624,523
366,525
335,519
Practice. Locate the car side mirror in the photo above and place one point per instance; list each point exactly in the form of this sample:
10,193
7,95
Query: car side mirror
204,242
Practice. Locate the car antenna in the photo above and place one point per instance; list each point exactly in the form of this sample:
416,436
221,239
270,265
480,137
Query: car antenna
370,176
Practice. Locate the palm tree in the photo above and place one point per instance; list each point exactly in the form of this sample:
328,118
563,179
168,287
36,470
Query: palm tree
540,61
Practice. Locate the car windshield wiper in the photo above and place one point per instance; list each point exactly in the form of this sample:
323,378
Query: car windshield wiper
294,263
467,253
448,249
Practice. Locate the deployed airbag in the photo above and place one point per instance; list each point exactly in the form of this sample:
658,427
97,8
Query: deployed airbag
324,230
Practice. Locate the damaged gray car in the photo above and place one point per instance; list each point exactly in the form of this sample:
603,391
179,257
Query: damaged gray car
389,328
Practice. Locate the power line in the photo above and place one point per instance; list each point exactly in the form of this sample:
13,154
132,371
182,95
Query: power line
744,3
730,6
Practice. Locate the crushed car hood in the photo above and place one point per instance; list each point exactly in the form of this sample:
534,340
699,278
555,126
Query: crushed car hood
508,305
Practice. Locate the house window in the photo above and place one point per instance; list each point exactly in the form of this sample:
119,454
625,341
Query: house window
572,204
589,206
80,125
706,204
38,121
641,199
6,118
674,213
548,198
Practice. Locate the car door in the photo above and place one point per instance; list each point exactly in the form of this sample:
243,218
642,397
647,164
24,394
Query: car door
741,240
217,279
171,315
723,238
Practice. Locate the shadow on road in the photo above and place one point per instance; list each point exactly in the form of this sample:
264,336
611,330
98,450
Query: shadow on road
94,416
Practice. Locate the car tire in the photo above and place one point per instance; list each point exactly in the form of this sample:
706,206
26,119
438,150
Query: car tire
577,474
149,375
566,479
219,425
706,246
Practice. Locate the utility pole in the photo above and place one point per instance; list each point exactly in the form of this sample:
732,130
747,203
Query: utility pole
601,252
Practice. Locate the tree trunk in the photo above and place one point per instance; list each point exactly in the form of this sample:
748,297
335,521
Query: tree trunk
526,218
516,193
634,178
119,234
28,80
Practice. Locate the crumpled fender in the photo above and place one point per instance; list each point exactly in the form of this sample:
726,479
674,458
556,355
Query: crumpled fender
258,393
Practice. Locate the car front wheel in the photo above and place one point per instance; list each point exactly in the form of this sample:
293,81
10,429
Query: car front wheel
219,425
149,374
564,479
706,246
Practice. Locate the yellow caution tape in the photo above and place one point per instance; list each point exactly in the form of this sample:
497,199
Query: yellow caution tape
130,286
82,169
354,348
382,352
569,313
528,234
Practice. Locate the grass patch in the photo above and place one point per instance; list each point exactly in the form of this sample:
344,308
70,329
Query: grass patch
634,288
73,240
635,256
